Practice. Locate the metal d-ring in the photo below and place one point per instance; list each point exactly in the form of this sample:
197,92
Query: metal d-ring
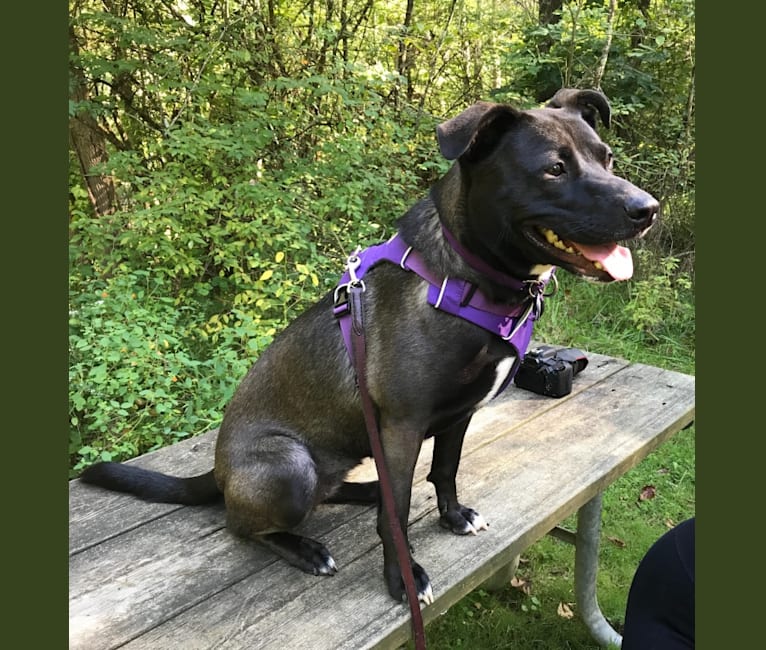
353,262
555,289
537,288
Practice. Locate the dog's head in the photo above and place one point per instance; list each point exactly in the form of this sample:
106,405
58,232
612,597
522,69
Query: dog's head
537,188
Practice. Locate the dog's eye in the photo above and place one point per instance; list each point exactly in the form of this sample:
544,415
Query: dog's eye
555,170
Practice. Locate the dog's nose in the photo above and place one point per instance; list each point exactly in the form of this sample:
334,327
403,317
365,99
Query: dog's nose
642,209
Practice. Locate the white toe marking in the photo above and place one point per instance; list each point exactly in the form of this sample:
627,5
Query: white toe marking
427,596
480,523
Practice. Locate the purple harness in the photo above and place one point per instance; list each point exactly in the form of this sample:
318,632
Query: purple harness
513,324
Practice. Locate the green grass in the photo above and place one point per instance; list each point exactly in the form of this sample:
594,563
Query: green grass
592,317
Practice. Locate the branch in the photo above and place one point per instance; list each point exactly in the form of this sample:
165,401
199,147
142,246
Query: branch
601,68
436,52
196,80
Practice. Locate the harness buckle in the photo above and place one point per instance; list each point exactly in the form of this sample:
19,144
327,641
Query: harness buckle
537,291
353,262
340,296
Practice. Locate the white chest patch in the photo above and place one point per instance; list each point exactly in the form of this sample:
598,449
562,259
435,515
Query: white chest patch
501,374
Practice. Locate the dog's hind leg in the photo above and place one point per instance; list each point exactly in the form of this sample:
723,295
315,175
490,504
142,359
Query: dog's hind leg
453,516
269,489
362,493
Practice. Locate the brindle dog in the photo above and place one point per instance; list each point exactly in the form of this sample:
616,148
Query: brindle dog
529,190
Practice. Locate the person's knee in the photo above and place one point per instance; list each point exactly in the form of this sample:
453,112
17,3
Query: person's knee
660,609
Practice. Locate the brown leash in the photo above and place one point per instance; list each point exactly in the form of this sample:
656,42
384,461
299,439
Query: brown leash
356,290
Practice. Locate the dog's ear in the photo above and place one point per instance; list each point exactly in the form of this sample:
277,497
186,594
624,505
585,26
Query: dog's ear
587,102
475,132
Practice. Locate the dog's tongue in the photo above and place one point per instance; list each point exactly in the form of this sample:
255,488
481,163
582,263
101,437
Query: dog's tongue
616,260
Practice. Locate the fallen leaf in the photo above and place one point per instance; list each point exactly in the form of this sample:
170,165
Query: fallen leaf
565,610
669,523
521,584
647,492
617,541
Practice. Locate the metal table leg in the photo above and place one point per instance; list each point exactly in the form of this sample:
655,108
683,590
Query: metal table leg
586,569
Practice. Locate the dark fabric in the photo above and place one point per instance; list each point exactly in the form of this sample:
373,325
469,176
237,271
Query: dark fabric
660,609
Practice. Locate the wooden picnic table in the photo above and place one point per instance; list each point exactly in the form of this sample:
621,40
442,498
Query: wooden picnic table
160,576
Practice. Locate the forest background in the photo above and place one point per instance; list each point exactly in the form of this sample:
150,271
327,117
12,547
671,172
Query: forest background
225,156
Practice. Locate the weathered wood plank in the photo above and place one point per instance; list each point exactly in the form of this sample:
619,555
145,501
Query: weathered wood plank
524,470
96,515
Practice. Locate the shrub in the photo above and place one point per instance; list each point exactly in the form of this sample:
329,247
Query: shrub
135,383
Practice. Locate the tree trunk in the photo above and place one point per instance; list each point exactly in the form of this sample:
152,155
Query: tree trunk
546,9
88,142
637,38
545,84
403,63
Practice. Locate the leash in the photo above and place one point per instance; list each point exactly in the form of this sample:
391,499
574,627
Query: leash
452,295
356,289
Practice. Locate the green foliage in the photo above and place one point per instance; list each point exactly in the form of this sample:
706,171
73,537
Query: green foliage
660,300
130,365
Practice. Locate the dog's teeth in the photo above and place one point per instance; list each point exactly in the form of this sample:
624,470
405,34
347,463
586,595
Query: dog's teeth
553,239
598,265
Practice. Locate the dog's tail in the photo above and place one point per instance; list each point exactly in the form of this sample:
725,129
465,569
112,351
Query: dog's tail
153,486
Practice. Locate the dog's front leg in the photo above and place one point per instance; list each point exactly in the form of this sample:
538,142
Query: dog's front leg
401,446
453,516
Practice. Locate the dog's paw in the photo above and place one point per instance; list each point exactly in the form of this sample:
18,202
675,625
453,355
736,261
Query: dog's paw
462,521
422,585
316,559
326,567
426,595
307,554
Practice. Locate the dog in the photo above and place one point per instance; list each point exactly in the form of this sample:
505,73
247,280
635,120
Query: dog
529,191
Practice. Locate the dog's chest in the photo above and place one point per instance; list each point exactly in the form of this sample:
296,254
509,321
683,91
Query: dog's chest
486,374
477,384
501,372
